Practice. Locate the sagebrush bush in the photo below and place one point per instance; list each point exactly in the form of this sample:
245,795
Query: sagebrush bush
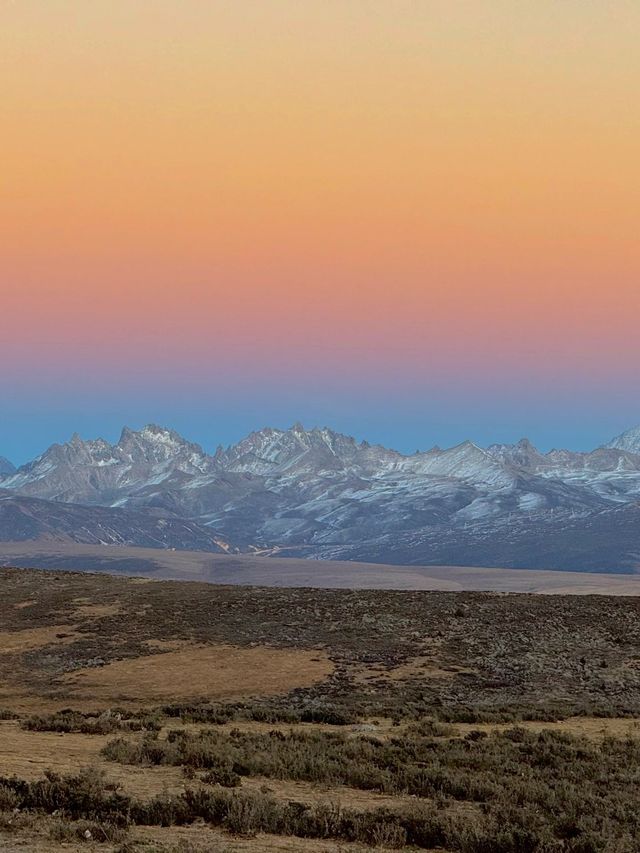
534,791
86,830
5,714
264,712
9,799
537,810
84,796
99,724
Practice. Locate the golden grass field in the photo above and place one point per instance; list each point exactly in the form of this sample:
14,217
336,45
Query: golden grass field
180,670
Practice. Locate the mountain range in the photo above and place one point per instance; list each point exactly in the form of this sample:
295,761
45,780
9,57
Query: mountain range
320,494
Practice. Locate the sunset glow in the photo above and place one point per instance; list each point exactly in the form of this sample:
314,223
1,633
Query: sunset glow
423,200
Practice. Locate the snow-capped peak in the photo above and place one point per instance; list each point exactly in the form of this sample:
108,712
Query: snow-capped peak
320,449
523,454
94,471
629,441
465,461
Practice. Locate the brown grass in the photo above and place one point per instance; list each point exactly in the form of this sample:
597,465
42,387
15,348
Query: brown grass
211,671
309,792
377,654
29,754
418,668
209,840
35,638
198,838
595,728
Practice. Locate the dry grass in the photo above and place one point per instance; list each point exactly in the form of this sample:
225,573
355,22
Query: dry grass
209,840
418,668
212,671
382,653
594,728
198,838
179,668
309,792
21,605
29,754
12,642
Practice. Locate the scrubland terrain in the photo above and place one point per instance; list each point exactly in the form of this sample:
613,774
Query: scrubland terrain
142,715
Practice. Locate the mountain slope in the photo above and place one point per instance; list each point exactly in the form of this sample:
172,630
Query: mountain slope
629,441
23,519
319,493
6,467
606,540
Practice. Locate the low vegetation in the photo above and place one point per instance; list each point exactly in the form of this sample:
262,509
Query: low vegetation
273,711
522,792
104,723
433,724
455,656
566,788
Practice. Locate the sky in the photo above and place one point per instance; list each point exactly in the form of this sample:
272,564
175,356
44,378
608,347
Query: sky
414,221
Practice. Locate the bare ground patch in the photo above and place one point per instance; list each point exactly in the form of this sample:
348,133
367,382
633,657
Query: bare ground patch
198,838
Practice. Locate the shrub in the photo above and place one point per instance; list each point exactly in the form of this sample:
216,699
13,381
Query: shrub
9,799
99,724
5,714
84,830
222,775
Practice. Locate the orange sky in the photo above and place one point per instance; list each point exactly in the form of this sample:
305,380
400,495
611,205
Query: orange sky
448,187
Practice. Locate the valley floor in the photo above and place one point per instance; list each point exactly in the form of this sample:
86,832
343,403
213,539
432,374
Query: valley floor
164,564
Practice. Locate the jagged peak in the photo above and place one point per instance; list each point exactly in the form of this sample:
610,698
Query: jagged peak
159,441
126,434
6,466
156,429
76,444
157,437
526,443
151,431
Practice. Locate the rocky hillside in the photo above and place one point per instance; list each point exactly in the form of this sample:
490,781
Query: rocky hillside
321,494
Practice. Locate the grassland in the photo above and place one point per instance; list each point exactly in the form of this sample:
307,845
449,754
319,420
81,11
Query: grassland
168,716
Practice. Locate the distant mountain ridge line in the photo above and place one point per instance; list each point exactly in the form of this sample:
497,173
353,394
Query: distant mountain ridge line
628,440
322,494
